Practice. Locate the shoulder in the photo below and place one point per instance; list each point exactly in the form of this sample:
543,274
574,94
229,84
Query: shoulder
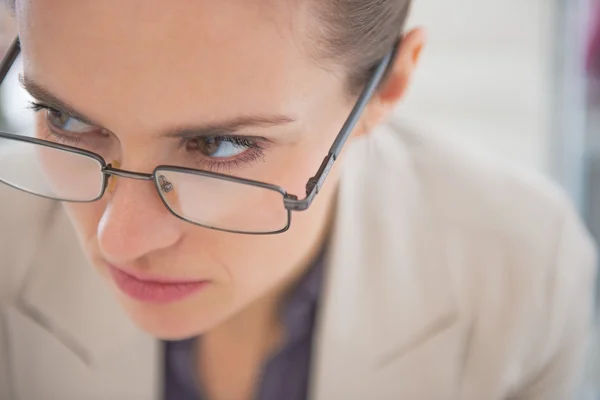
501,216
522,262
480,196
479,192
488,213
23,220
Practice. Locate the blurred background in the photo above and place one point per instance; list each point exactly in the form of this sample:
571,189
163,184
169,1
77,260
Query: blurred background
519,79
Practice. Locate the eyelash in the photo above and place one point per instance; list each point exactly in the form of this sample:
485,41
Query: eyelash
53,133
212,164
247,157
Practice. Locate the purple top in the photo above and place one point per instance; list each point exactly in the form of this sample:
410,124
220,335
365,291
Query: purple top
285,375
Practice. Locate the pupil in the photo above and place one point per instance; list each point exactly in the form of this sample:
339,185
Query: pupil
208,146
58,118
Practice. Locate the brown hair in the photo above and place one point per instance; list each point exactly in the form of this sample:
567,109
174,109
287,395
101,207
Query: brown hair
358,33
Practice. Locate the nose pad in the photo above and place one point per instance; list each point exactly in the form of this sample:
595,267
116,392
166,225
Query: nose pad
165,185
112,180
168,192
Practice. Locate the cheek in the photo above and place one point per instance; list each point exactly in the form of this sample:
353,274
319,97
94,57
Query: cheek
68,175
291,167
295,165
224,204
258,264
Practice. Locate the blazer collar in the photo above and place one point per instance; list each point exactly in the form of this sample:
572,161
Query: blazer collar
66,315
388,290
61,284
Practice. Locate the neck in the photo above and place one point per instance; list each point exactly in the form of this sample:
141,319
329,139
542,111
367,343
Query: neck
257,321
231,355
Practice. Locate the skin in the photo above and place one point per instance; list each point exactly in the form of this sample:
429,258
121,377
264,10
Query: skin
161,66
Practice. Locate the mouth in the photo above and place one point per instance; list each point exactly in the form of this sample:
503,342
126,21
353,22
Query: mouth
154,289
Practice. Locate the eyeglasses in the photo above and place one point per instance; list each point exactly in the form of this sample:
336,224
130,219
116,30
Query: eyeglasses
205,198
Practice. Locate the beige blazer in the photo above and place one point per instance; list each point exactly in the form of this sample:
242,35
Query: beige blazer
448,277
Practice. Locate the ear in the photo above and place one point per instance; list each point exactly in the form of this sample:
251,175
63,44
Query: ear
399,77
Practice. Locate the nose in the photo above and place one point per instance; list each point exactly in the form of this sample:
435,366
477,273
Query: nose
135,222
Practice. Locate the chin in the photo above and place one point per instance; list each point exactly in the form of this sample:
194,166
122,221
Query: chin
171,321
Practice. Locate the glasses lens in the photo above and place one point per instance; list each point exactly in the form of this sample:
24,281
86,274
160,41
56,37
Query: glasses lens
222,204
50,172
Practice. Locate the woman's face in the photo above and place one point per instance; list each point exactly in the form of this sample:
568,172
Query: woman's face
142,70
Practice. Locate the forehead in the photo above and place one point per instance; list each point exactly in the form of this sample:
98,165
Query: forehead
156,53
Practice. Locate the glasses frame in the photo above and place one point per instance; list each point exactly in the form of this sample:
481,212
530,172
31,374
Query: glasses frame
291,202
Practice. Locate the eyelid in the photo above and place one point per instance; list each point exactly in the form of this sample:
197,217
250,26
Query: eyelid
225,166
38,106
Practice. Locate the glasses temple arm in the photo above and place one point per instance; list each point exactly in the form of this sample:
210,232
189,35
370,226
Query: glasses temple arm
9,58
316,182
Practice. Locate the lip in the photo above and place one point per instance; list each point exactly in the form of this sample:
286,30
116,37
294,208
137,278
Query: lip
152,288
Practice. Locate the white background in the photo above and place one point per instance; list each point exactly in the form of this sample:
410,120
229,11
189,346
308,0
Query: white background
486,76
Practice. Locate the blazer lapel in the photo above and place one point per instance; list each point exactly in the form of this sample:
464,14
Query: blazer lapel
68,336
387,293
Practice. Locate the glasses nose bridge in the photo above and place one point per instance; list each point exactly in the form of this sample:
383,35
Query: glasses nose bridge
111,171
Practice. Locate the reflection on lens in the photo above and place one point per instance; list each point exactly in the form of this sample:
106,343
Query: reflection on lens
50,172
222,204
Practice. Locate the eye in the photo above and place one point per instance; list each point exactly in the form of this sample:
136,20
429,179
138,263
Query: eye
61,121
66,123
220,147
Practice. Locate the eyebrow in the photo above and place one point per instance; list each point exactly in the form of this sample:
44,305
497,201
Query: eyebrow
240,123
237,124
45,97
